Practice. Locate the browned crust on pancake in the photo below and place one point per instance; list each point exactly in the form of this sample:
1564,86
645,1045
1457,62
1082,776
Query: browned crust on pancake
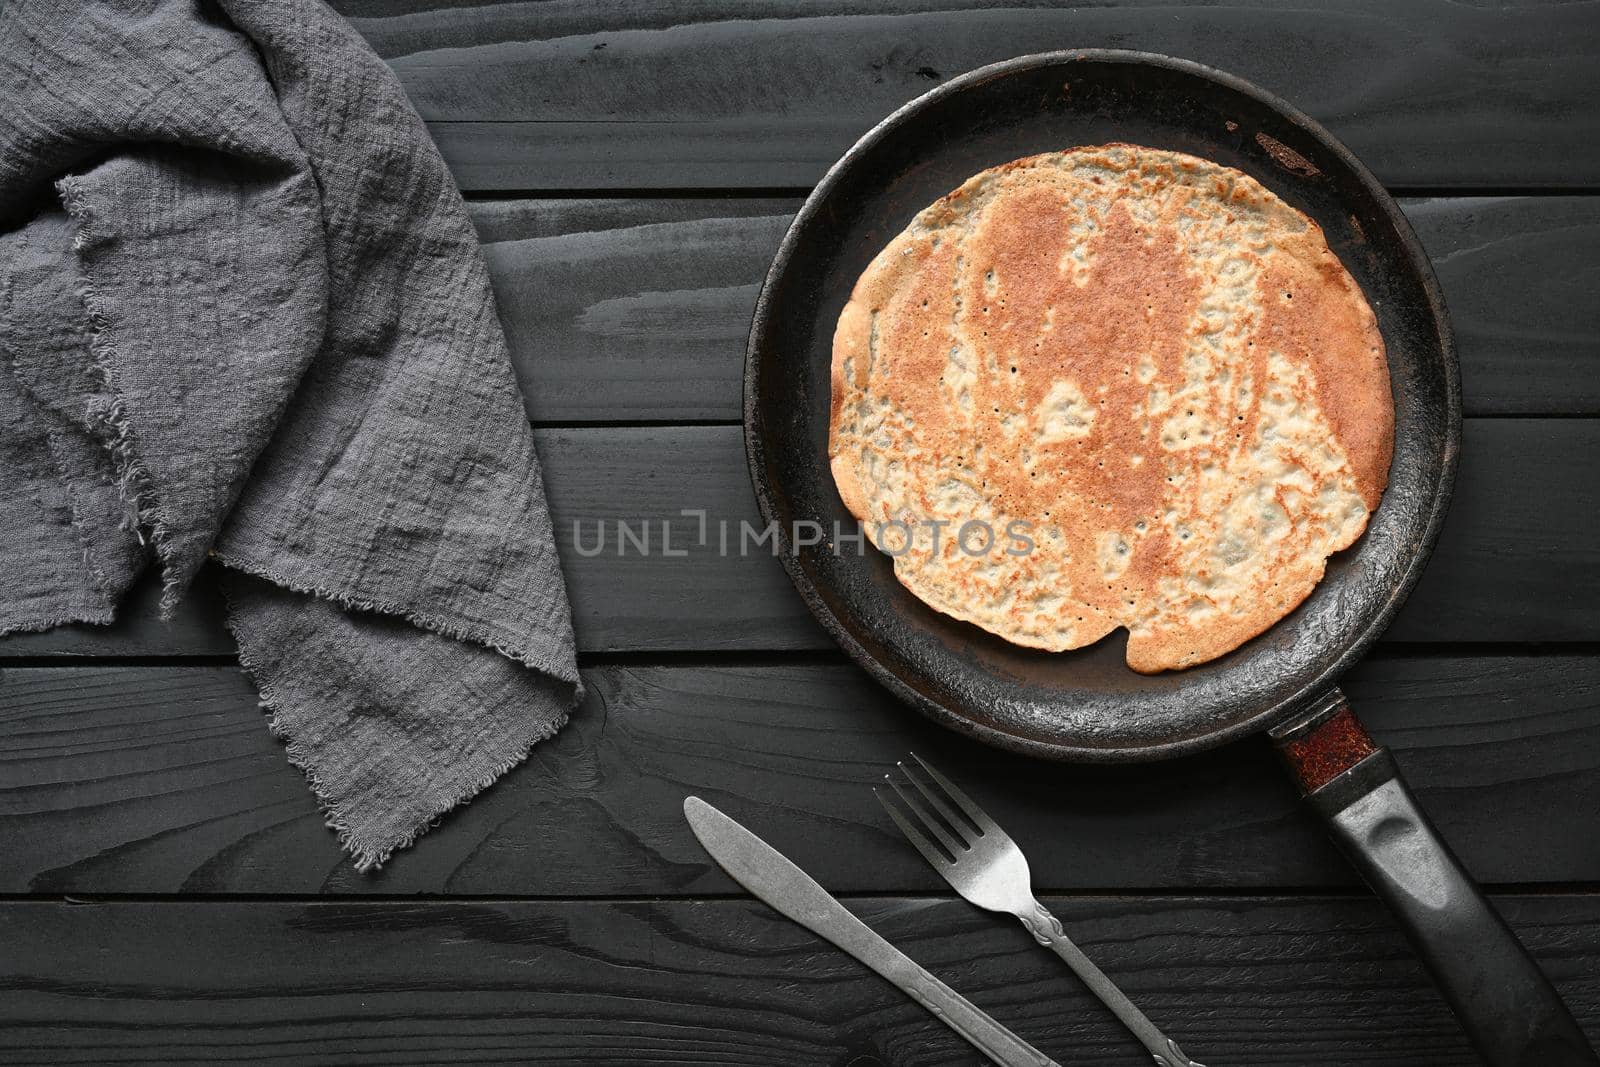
1080,351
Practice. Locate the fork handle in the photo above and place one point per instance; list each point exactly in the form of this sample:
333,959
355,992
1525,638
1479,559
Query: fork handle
1046,929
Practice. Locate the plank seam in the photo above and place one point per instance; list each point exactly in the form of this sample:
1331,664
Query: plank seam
1301,893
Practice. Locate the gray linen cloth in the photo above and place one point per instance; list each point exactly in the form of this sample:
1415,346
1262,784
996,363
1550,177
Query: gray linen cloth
244,319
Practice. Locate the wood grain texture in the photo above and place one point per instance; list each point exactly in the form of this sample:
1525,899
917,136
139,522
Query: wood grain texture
1519,276
1518,554
639,310
1239,981
165,780
629,310
571,94
161,778
1519,559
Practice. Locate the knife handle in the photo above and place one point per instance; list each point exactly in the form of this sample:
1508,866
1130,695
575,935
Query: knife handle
777,882
959,1014
1046,929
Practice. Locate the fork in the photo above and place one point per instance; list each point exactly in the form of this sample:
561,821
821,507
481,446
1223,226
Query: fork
985,866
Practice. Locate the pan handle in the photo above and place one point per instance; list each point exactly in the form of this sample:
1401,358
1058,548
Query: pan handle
1509,1009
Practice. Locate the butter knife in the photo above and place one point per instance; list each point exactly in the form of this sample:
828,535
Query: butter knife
768,874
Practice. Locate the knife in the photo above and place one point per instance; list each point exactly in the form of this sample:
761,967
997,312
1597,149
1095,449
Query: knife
768,874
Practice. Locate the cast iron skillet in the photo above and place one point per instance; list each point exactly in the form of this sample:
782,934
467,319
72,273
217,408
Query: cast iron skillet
1087,705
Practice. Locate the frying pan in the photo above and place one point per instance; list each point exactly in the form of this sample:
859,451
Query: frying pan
1087,705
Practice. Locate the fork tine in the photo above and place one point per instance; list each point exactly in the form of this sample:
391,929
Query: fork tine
930,822
957,822
929,850
979,819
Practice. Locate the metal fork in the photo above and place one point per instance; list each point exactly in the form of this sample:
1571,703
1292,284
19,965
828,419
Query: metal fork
986,867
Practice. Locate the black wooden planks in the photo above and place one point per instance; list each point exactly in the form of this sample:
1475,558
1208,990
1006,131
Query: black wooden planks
717,94
1519,560
626,311
1519,275
165,780
1242,980
158,776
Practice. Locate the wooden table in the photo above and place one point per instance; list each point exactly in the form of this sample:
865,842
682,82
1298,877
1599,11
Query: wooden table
173,896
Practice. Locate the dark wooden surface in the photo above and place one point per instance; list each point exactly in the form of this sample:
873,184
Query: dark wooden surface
162,780
168,892
1252,980
709,93
1518,561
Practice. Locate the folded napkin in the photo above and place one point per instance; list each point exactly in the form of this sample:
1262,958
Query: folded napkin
244,319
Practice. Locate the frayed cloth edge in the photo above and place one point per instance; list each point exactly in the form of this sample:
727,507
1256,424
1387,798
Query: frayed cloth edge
368,858
367,855
561,672
136,488
33,626
134,484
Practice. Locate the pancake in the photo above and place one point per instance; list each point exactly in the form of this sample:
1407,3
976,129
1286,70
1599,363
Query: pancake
1111,387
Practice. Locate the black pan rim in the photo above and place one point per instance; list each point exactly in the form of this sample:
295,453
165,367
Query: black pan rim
1267,715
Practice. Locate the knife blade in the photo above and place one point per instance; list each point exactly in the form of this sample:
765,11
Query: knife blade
770,875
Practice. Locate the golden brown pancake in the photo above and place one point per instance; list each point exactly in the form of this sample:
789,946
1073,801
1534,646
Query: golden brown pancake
1144,375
